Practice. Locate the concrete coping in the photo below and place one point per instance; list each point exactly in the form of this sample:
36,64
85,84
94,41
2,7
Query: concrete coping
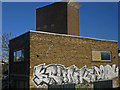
72,36
74,4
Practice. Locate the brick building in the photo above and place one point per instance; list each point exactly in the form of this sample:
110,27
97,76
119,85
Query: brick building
38,59
59,17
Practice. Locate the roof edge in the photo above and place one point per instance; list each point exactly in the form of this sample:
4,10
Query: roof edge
73,36
20,35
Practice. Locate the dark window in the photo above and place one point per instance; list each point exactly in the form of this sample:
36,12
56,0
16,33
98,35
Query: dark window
62,87
19,55
101,55
105,55
102,84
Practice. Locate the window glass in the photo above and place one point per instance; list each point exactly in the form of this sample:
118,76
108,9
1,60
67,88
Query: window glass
101,55
22,55
105,55
14,56
19,55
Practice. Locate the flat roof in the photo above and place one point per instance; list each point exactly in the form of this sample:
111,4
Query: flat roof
66,35
72,36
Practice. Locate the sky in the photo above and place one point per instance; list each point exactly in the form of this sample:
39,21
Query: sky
96,19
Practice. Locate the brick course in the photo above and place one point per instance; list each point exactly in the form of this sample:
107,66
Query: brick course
67,50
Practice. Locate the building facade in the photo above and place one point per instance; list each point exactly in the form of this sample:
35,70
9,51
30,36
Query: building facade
55,54
64,58
60,17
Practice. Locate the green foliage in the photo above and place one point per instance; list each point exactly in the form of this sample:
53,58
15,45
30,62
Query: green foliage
83,87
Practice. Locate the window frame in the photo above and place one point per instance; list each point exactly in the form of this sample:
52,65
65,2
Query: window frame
106,60
101,56
15,53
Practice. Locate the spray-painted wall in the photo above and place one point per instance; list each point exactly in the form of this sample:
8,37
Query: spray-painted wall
56,74
69,53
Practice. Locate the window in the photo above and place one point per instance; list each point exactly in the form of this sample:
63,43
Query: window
19,55
105,55
119,53
102,84
96,56
101,56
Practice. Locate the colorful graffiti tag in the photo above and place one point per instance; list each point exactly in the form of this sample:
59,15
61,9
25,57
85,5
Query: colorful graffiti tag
58,74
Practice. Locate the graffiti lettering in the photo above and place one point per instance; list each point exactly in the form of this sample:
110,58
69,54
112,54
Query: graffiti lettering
58,74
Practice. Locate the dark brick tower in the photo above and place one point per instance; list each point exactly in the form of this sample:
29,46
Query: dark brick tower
59,17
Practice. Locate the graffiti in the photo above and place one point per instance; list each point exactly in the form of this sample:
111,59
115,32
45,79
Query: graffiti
58,74
48,50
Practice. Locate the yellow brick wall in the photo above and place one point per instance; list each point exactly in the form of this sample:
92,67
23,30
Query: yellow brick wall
67,50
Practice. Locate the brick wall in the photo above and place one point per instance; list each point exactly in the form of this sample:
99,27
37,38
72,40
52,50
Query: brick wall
52,18
67,50
19,70
72,20
59,17
51,48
